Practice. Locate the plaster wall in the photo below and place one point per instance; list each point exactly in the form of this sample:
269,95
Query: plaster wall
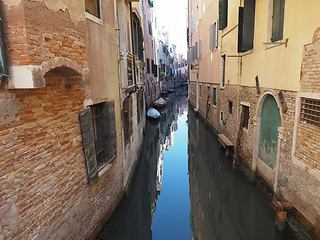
278,65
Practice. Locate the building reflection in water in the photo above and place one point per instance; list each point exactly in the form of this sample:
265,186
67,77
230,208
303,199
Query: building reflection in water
134,218
224,205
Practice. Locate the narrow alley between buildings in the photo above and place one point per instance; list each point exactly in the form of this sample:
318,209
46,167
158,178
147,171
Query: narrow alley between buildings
185,188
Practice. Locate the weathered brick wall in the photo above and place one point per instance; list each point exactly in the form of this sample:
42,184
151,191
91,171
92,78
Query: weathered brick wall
308,144
310,70
296,184
206,107
247,95
43,180
36,36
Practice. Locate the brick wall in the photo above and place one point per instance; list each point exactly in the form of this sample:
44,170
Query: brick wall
34,37
308,144
44,190
296,184
310,70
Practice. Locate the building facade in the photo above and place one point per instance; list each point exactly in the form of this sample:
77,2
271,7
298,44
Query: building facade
71,114
267,90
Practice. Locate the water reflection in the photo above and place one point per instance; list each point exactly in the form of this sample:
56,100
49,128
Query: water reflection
224,205
139,214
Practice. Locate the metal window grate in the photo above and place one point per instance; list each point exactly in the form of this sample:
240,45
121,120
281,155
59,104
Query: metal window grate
310,111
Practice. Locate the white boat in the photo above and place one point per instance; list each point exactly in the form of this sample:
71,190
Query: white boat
160,103
153,113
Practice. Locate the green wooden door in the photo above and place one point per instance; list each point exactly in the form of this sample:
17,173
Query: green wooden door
270,121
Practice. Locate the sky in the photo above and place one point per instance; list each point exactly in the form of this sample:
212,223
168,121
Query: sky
173,15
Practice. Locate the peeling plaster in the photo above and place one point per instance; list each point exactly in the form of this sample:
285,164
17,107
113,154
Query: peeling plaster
9,108
76,8
12,3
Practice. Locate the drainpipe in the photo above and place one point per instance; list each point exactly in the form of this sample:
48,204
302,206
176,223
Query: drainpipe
133,53
4,71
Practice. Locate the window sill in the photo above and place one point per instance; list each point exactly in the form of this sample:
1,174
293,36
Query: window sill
104,169
94,19
270,45
128,89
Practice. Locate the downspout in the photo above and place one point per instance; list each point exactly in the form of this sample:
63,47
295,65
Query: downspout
133,53
4,71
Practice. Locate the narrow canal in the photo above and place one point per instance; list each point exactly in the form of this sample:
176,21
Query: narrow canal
184,188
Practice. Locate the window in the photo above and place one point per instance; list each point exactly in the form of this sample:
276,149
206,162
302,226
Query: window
127,119
99,137
199,49
199,91
245,117
3,58
213,36
196,50
137,37
277,20
221,116
152,66
97,120
223,71
130,72
230,107
148,65
150,28
246,25
93,7
214,96
155,70
310,111
223,14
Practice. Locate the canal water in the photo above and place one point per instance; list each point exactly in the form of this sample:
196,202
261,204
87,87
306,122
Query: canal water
184,187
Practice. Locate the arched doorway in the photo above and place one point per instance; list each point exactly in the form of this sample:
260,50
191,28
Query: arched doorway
270,121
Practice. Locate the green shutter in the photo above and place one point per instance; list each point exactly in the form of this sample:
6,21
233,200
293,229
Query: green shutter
88,144
214,97
109,127
223,14
278,20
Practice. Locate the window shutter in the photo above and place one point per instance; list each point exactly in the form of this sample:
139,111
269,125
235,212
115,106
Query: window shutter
109,127
93,7
199,49
223,14
148,65
240,27
3,58
214,97
246,26
215,35
152,66
278,20
155,70
140,43
211,37
88,145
